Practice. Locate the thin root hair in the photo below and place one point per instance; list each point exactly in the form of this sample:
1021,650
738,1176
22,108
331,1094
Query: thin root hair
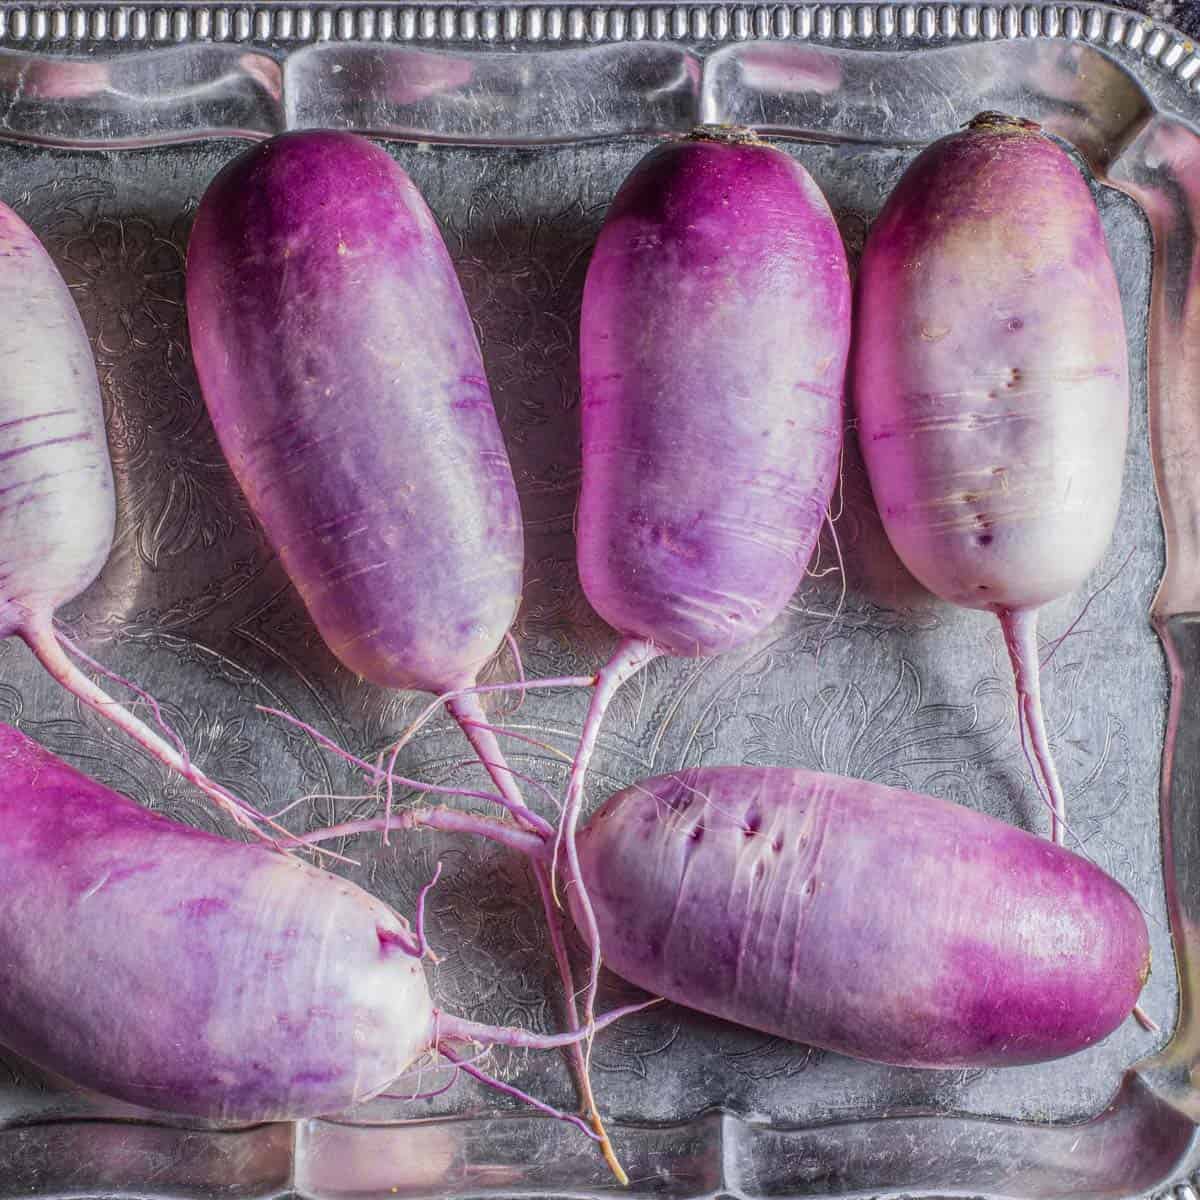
841,601
144,696
1072,628
486,689
313,796
508,1089
420,1069
423,950
490,765
504,731
515,651
378,776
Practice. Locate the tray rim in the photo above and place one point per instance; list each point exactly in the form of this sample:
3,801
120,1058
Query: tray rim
285,24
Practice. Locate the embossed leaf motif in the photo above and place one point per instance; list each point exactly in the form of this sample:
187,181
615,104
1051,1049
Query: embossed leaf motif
492,910
383,717
484,921
522,276
138,272
559,631
176,491
63,207
818,623
627,1047
12,704
740,685
218,744
173,616
767,1057
891,736
180,499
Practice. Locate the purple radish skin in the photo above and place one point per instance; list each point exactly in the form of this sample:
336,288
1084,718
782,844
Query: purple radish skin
879,923
991,385
259,988
715,326
345,383
713,344
57,505
754,894
346,386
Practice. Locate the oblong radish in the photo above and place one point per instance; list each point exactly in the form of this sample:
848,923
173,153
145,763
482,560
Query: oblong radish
346,387
877,922
173,969
345,383
57,506
991,384
713,343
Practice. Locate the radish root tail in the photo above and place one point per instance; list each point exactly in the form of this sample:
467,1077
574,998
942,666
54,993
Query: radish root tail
579,1065
459,1029
449,820
468,712
456,1029
376,774
507,1089
423,950
51,651
630,656
486,689
144,696
1020,636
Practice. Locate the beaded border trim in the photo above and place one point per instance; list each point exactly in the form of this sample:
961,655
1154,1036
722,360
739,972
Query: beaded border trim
281,23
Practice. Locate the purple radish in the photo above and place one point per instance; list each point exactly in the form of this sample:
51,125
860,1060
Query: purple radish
57,507
713,344
754,894
991,383
345,383
255,986
876,922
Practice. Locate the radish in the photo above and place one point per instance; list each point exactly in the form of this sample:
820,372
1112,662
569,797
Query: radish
345,383
713,343
170,968
57,507
346,387
872,921
991,383
876,922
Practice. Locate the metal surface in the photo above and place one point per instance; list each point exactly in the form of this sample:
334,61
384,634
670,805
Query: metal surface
883,682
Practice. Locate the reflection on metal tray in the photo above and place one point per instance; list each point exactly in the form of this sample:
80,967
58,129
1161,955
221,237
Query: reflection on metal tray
545,110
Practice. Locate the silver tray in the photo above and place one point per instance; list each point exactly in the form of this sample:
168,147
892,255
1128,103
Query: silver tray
518,123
